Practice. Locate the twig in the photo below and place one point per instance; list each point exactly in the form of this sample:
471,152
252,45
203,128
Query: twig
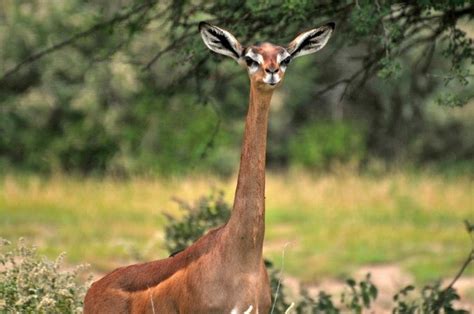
280,275
108,55
427,56
385,31
289,308
468,260
170,47
213,136
331,86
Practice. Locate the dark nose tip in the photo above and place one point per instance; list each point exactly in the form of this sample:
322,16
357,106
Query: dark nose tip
271,70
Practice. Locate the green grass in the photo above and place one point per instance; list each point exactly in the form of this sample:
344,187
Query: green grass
334,224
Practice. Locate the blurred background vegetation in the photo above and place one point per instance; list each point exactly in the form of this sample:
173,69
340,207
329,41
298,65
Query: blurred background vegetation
127,87
110,108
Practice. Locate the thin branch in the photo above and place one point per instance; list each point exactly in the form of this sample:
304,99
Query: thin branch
455,14
194,69
107,56
115,20
331,86
289,308
385,31
176,43
427,57
212,138
280,276
468,260
366,69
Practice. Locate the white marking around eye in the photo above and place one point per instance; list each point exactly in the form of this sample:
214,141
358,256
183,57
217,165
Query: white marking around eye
253,69
255,56
249,310
235,310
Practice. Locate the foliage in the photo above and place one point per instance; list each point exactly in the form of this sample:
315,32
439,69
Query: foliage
360,297
324,143
212,211
449,145
30,284
94,87
208,212
357,297
432,299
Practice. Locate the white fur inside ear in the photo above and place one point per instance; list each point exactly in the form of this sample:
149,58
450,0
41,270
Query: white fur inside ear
220,41
310,41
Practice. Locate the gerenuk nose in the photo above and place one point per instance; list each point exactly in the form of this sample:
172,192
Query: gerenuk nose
271,70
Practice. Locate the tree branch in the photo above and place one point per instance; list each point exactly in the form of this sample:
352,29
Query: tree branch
170,47
466,263
115,20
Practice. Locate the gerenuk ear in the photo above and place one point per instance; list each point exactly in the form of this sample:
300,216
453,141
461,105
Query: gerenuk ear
220,40
310,41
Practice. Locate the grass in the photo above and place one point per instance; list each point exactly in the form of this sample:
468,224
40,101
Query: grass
334,223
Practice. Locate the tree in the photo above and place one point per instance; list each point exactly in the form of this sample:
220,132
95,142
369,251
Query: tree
113,81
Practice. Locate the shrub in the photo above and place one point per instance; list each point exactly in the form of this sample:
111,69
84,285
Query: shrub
31,284
356,297
208,212
321,144
432,299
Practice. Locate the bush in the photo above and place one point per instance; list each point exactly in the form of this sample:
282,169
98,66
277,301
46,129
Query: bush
449,147
30,284
208,212
321,144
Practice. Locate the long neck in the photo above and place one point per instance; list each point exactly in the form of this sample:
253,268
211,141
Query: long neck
246,226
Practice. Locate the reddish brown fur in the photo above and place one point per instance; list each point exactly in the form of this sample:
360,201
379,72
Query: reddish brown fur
224,269
173,285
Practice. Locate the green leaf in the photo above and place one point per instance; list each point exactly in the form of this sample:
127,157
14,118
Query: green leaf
351,282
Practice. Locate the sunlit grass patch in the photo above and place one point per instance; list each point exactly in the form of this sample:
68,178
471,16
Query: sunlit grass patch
333,223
